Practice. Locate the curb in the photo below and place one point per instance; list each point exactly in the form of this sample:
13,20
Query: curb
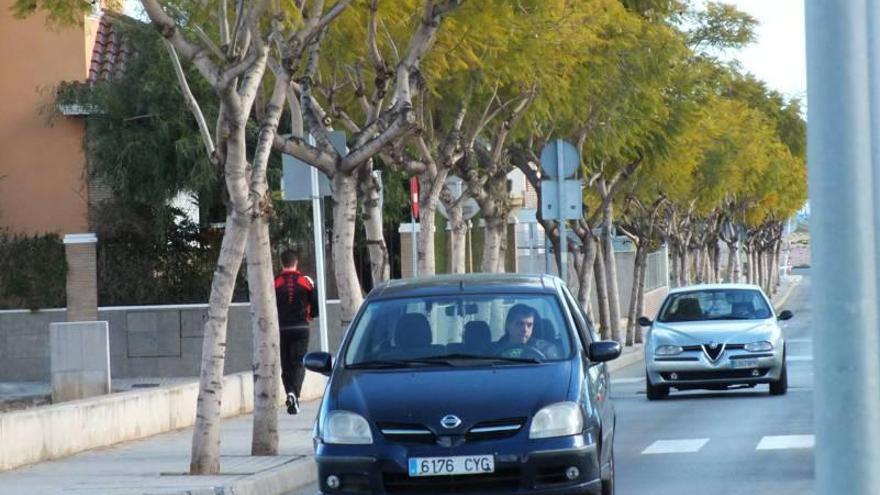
795,282
279,480
629,357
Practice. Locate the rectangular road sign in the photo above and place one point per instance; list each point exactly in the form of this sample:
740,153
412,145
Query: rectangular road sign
573,207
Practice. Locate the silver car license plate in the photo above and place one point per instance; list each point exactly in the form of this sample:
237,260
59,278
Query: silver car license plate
442,466
744,363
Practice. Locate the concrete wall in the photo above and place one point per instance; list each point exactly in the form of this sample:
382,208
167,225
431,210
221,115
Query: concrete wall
50,432
145,341
43,189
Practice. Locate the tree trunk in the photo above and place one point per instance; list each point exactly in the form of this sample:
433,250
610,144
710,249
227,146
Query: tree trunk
371,214
675,270
585,286
427,260
685,265
761,271
632,312
640,296
493,233
716,263
458,240
264,320
344,219
602,293
698,265
206,434
611,273
731,262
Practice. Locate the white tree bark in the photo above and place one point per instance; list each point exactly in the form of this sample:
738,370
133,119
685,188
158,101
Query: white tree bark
602,293
372,216
632,313
264,312
344,216
493,232
458,240
611,272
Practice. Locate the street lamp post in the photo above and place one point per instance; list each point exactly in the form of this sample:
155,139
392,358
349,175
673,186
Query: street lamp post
844,158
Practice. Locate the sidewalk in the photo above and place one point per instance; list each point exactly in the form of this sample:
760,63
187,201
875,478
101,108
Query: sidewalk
158,465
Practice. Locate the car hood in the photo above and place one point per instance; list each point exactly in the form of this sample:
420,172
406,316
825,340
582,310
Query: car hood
424,396
720,331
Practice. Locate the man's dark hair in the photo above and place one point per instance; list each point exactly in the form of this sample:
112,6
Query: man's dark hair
518,311
289,258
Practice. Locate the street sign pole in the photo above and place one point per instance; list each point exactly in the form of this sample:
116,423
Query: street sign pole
843,45
560,179
318,223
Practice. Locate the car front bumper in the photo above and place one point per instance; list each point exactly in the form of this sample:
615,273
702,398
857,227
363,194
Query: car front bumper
695,370
532,467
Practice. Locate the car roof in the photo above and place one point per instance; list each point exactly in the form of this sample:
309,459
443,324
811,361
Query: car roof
691,288
474,283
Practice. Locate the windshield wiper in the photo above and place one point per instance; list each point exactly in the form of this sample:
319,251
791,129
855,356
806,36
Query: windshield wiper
483,357
394,363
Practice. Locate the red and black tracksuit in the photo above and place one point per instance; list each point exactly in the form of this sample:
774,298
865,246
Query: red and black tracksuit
297,300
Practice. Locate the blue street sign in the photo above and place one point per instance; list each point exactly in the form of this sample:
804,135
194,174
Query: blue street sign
550,155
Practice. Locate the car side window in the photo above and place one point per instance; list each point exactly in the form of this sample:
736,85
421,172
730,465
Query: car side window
584,329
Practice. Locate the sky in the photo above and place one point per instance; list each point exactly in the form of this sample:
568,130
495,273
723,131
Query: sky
778,57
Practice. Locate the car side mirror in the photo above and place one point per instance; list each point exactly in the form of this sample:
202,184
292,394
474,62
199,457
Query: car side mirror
645,321
604,351
785,315
319,362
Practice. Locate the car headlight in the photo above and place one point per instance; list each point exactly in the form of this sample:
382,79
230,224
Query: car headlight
557,420
346,428
668,350
762,346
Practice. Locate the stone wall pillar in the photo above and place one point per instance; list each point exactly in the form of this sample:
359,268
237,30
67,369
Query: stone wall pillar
80,360
82,277
406,240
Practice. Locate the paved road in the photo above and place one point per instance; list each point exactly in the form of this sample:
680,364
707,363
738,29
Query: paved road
738,442
727,443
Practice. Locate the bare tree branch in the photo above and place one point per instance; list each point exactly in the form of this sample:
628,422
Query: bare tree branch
191,102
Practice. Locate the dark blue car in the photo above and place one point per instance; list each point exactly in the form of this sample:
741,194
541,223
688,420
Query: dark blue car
467,384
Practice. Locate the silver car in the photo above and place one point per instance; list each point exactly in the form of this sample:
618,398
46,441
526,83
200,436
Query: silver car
715,337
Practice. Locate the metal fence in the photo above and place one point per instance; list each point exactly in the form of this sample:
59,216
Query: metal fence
656,270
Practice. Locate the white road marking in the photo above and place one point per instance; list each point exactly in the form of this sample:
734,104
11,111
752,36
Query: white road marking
799,341
622,381
794,359
687,446
785,442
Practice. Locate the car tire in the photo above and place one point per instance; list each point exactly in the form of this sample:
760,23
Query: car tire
780,386
608,482
655,392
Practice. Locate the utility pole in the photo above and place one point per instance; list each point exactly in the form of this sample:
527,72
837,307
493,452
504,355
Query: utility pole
843,46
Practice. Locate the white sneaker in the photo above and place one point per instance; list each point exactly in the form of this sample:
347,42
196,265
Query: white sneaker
292,404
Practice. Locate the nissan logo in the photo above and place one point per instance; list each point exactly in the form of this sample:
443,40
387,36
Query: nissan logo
450,421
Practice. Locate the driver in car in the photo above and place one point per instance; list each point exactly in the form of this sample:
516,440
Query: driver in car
519,336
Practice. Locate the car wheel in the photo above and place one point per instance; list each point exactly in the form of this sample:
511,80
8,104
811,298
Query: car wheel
608,481
655,392
780,387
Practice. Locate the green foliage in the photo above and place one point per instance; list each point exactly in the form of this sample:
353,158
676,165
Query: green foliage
59,12
721,26
33,272
148,256
143,143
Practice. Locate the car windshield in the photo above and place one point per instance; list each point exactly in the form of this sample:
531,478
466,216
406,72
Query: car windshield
715,304
450,330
